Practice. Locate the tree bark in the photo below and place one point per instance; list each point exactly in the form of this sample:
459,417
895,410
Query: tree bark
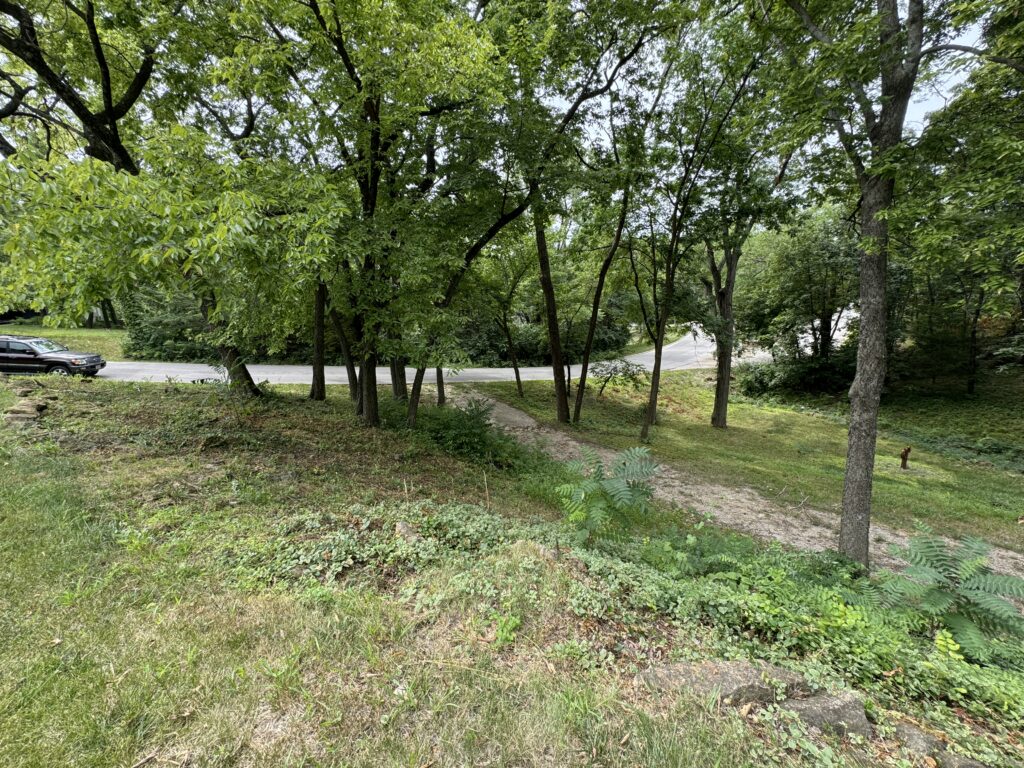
109,315
369,413
595,308
239,378
651,414
551,315
346,352
441,396
866,391
412,411
972,347
723,379
399,386
318,389
512,356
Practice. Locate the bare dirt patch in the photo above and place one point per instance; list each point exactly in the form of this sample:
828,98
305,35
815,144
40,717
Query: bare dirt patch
739,508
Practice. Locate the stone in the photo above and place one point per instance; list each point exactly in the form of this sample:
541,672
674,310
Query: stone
946,759
37,404
20,419
405,531
916,740
24,391
734,683
841,714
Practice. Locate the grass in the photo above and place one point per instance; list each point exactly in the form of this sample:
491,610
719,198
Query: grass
796,454
103,341
160,604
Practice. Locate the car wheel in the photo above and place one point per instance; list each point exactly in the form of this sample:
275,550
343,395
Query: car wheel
59,370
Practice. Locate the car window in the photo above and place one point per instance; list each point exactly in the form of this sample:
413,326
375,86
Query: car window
45,345
3,346
17,346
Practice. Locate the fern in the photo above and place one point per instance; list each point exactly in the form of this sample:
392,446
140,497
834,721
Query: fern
603,501
954,588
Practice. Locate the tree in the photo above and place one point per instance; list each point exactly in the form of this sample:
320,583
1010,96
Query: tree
855,66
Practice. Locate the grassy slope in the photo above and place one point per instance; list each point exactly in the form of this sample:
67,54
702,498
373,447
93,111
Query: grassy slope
798,456
104,341
139,616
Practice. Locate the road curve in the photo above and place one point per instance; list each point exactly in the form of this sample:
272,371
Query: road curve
688,352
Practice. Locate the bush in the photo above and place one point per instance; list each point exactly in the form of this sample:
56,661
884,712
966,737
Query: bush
468,433
800,374
621,371
162,326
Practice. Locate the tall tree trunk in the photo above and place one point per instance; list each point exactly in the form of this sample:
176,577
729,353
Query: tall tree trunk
103,313
866,391
441,396
595,308
108,311
651,414
723,377
512,355
825,345
399,386
318,390
346,352
414,399
551,315
972,348
370,413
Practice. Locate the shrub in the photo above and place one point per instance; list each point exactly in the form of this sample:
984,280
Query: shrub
954,589
800,374
468,432
621,371
600,502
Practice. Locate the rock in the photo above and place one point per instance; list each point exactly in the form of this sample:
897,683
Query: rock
37,404
841,714
20,419
24,391
405,531
731,682
946,759
917,741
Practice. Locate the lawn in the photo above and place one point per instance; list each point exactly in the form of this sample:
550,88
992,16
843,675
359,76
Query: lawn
194,579
156,602
795,453
104,341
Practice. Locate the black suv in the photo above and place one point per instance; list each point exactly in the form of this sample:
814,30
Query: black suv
31,354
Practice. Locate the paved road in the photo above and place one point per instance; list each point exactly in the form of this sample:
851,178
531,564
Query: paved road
685,353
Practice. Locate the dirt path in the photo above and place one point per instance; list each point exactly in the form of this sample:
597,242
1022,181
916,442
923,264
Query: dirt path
741,509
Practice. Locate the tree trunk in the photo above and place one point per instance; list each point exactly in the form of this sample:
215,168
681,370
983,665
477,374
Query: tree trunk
103,312
651,414
825,345
346,352
239,378
595,308
318,390
866,391
399,386
972,347
441,396
370,413
108,312
512,356
551,314
414,400
723,352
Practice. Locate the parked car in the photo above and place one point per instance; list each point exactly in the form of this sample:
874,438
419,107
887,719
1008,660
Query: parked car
32,354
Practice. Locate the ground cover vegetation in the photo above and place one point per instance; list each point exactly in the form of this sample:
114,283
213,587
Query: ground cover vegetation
418,184
215,583
256,575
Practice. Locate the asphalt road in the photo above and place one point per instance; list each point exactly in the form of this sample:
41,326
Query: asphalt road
688,352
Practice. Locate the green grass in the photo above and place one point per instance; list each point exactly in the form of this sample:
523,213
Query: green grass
103,341
158,602
797,455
